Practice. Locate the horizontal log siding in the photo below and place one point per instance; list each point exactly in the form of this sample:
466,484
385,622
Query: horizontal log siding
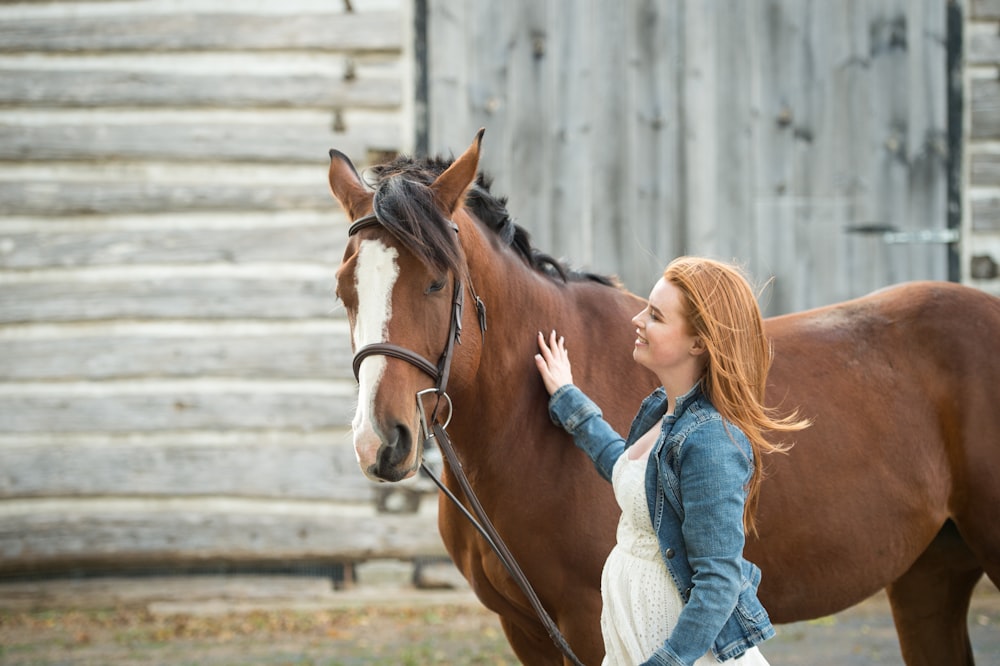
175,382
232,349
360,32
317,465
287,138
43,536
82,88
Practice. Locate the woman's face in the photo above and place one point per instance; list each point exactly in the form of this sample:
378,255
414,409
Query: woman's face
664,341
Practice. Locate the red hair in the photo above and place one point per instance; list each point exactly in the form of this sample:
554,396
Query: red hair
722,310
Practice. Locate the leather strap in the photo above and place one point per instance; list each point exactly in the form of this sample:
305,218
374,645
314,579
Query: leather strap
485,527
387,349
440,373
363,223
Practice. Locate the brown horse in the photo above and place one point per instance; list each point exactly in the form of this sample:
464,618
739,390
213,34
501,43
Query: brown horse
896,485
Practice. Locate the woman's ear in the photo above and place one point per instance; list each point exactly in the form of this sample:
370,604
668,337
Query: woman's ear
698,347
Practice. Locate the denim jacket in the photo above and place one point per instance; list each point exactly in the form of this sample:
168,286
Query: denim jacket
695,487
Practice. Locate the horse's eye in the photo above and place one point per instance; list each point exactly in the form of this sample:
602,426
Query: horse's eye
437,285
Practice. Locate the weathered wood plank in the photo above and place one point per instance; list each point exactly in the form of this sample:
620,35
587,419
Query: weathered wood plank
118,88
369,31
984,169
52,535
281,465
65,248
172,295
700,115
57,198
570,53
450,116
984,107
986,215
611,181
655,159
984,9
130,407
99,353
736,98
530,80
209,141
982,44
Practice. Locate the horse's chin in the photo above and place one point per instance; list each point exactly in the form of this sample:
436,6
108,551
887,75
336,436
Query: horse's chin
390,475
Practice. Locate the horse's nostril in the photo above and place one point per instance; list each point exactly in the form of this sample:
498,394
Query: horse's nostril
399,444
393,462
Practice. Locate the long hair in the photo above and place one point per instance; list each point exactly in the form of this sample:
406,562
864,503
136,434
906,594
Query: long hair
722,310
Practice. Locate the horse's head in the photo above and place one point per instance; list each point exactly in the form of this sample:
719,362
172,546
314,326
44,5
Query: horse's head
400,279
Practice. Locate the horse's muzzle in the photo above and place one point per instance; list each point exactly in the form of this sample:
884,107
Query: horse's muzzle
396,459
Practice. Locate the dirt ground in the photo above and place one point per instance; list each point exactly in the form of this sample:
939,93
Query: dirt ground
274,621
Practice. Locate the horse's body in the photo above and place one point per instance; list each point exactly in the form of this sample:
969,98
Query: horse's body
896,485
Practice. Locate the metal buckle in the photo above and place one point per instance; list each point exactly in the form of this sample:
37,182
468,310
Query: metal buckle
428,433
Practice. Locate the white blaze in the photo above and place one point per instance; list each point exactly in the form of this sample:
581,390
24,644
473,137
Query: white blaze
374,277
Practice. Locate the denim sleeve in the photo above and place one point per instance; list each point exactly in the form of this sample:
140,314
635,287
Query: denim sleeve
577,414
713,472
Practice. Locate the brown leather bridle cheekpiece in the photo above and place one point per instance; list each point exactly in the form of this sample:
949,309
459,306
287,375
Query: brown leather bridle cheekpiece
436,431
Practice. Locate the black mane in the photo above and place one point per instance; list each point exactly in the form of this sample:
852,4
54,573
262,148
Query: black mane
405,206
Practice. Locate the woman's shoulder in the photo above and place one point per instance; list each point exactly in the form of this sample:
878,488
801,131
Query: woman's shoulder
709,430
699,413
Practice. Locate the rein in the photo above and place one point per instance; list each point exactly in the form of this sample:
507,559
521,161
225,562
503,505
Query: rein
439,373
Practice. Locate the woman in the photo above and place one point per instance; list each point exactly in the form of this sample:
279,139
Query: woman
676,588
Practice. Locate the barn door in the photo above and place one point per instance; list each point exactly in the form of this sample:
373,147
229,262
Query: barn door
807,139
854,147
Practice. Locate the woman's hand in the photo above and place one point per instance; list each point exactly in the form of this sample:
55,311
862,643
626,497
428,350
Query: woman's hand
553,362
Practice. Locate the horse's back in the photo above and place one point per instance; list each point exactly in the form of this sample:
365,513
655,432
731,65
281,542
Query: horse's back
943,305
946,331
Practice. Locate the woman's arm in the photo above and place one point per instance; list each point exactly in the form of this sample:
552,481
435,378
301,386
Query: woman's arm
572,410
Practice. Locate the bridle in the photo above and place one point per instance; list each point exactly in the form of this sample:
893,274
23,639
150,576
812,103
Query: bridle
437,372
431,429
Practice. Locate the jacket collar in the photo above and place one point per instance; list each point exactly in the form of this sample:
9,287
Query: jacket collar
654,408
684,401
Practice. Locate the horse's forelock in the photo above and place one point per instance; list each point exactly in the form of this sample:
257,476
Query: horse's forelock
406,208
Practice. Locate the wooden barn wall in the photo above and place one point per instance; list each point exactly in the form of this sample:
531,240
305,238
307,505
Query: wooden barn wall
175,382
625,133
981,220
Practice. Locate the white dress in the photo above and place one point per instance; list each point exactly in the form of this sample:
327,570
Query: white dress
640,602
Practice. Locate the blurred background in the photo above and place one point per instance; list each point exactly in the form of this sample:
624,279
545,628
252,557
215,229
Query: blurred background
175,382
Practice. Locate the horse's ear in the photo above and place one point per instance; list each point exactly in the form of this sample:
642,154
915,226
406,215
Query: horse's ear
347,187
451,186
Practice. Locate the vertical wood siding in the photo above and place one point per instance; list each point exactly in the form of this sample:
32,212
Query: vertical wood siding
627,133
175,379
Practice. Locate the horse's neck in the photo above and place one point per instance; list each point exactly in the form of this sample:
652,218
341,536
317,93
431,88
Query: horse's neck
504,412
523,468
